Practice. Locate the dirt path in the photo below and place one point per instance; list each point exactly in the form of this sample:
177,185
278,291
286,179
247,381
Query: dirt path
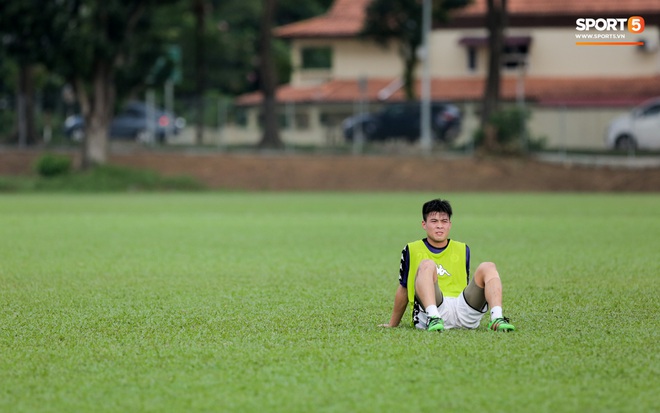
370,173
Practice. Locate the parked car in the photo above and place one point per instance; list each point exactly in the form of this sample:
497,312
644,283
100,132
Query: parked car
639,129
403,120
132,123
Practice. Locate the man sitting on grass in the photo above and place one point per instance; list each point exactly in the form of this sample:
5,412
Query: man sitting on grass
434,277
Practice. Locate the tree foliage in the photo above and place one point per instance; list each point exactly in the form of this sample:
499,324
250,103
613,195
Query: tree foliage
401,21
99,42
112,50
25,32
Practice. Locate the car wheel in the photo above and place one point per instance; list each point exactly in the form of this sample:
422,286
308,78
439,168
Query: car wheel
451,133
369,130
348,135
625,143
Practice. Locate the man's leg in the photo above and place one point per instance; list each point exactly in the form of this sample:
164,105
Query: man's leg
426,284
487,277
428,293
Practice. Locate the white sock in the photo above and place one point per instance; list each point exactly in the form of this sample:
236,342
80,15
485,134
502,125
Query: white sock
495,312
432,311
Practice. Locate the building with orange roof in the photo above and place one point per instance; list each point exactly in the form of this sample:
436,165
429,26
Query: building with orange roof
573,83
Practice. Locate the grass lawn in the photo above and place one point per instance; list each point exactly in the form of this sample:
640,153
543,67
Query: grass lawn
269,302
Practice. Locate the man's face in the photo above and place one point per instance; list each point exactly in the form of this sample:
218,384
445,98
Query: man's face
437,226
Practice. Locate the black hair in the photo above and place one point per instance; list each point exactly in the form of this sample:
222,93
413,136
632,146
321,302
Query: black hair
436,205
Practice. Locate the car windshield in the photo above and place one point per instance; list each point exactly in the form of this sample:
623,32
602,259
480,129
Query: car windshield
651,110
394,109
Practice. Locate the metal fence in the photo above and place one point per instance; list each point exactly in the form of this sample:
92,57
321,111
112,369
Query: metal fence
224,124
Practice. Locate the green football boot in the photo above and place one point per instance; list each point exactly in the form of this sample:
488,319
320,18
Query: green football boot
435,324
501,324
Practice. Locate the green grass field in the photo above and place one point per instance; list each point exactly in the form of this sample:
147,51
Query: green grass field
269,302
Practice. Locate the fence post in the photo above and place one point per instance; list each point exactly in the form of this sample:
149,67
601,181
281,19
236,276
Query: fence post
358,133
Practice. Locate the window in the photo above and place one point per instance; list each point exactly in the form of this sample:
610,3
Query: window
334,119
240,117
651,110
302,120
472,58
317,58
514,52
514,55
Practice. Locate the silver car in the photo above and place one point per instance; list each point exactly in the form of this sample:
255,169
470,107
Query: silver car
639,129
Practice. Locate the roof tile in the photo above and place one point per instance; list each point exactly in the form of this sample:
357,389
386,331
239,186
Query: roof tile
345,17
590,8
556,91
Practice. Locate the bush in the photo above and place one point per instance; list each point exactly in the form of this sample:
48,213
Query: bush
49,165
512,134
102,178
111,178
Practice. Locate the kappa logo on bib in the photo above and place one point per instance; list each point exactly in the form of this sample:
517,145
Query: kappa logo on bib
442,272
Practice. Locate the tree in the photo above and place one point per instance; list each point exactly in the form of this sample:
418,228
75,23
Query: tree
89,43
96,41
232,43
106,30
200,10
25,32
401,21
268,75
496,21
112,50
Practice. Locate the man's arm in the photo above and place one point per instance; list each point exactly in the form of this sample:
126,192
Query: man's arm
400,303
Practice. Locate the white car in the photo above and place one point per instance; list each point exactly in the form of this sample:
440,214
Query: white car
640,129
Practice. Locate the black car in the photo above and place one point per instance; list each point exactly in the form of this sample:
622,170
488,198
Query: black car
403,120
132,123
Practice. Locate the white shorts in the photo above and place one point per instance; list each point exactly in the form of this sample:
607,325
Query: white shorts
455,312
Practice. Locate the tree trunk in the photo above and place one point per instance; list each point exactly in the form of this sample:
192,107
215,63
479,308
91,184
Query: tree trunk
25,109
271,134
410,63
97,112
496,23
199,9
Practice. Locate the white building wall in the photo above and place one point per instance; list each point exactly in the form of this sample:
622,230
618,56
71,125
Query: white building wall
357,58
351,59
573,128
552,53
